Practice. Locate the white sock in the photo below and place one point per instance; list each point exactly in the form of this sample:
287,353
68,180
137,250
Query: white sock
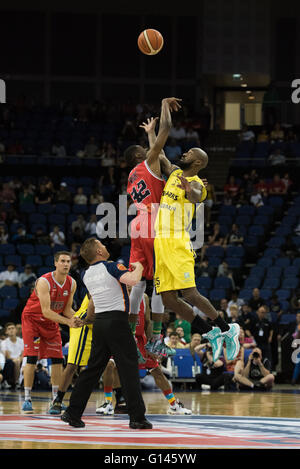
136,296
27,394
54,391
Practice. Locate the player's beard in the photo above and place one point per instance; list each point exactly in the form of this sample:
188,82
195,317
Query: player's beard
183,164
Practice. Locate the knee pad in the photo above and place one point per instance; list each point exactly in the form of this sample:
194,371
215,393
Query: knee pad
31,360
157,305
136,296
56,361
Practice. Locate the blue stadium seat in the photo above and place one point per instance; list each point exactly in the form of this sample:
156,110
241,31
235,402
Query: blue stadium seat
35,260
38,226
296,262
243,220
251,241
282,262
24,292
80,209
203,292
246,210
37,218
257,271
63,209
184,363
227,210
217,294
265,210
291,282
4,313
49,261
10,303
43,250
43,270
45,209
215,251
276,242
56,219
27,207
235,251
285,305
283,231
283,294
252,282
14,259
7,249
204,282
271,283
245,294
261,220
59,247
276,201
214,261
222,283
265,262
256,230
288,319
291,271
265,293
272,252
8,292
274,271
25,249
234,262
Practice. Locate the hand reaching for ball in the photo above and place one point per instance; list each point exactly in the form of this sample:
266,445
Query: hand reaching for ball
173,103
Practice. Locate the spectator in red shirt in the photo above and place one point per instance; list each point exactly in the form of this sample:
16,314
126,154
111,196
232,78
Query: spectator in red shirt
7,195
262,187
277,186
232,188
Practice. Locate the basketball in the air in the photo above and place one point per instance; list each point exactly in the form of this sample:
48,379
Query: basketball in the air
150,41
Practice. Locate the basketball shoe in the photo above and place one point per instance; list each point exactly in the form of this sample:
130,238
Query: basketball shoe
159,348
178,409
232,342
27,407
216,339
105,409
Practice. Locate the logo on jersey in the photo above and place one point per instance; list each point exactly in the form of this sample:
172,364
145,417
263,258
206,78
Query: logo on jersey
65,293
121,267
142,192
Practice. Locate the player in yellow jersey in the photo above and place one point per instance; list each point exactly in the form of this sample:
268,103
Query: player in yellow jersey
78,355
174,256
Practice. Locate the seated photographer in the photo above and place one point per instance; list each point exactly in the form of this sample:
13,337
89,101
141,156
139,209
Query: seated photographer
212,373
256,374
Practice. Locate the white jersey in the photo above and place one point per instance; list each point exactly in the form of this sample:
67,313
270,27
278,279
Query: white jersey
107,292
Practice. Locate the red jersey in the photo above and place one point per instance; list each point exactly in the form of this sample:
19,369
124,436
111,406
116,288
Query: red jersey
140,324
145,190
59,296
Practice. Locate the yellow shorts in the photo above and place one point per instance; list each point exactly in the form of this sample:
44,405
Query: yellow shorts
80,345
174,264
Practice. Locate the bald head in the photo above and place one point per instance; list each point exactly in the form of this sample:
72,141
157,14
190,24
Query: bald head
201,156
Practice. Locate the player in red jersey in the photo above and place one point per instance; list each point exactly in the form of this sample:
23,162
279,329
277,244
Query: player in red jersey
145,186
49,305
143,330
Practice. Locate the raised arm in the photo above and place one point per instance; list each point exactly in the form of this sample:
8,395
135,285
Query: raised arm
168,105
133,277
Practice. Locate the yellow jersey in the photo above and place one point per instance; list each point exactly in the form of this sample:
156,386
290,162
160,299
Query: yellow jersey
175,214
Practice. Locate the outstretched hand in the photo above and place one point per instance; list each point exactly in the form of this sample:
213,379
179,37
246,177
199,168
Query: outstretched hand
184,184
173,103
149,125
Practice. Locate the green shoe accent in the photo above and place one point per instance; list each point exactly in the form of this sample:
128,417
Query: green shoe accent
231,338
216,340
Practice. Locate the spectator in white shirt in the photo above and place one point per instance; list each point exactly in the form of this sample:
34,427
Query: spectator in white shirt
58,149
178,132
277,158
28,277
247,135
57,236
13,348
9,277
91,226
80,198
256,199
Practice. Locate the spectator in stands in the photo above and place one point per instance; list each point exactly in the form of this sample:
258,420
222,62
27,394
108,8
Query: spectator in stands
256,301
21,236
43,195
178,132
277,186
203,269
235,316
169,329
192,137
274,305
256,375
57,236
41,237
246,315
262,187
235,300
96,198
174,341
277,134
26,195
108,155
13,348
277,158
212,372
63,195
247,135
9,277
58,149
179,330
262,332
210,200
287,181
80,224
185,325
224,308
129,133
7,194
263,136
195,341
256,198
235,237
232,188
91,226
3,235
80,198
295,301
173,150
224,271
27,278
91,149
247,185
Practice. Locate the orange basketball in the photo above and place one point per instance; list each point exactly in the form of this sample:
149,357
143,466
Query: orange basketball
150,41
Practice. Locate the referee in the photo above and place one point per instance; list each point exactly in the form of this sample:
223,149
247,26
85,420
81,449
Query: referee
108,309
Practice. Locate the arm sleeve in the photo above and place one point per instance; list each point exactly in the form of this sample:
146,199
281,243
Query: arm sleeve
116,269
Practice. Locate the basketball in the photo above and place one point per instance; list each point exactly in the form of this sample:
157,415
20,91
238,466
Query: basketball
150,42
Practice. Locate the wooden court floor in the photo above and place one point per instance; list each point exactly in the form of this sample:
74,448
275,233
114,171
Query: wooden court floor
281,403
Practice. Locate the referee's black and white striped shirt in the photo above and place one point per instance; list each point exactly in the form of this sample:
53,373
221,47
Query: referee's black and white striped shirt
108,293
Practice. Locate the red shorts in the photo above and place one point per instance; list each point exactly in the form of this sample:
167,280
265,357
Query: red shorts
150,362
142,250
41,337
